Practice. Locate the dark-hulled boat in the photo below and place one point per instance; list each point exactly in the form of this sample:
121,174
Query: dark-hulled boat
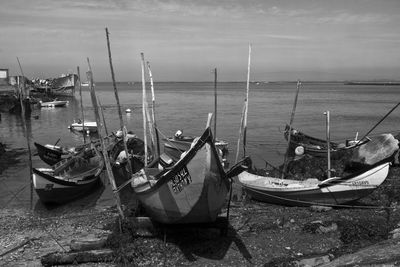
175,146
51,154
190,190
317,147
64,85
69,179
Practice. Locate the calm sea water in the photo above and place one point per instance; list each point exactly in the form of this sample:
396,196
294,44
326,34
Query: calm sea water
353,108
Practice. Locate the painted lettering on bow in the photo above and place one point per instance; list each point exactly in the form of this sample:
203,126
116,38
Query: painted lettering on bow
180,180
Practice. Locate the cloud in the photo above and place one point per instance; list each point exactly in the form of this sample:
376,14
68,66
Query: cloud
347,18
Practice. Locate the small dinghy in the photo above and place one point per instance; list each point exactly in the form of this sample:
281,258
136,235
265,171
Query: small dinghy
53,104
190,190
87,126
69,179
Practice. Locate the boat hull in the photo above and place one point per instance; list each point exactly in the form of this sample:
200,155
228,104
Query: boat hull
298,193
53,104
175,147
317,147
87,126
48,155
192,191
57,191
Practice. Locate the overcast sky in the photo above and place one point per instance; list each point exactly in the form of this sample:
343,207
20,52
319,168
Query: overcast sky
185,39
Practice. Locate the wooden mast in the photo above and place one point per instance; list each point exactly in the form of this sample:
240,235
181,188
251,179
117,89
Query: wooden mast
23,116
243,121
153,108
290,130
102,116
328,142
215,104
121,122
144,103
103,146
82,113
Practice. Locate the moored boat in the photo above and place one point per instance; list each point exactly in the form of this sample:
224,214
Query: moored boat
190,190
175,146
64,85
53,104
69,179
301,143
50,154
87,126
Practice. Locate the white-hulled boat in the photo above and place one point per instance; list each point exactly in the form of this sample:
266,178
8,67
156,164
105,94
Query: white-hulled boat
88,126
374,159
53,104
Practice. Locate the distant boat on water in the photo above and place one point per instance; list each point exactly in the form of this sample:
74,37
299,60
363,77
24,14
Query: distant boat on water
86,84
53,104
64,85
88,126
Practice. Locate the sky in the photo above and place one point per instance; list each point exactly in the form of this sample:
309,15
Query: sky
184,40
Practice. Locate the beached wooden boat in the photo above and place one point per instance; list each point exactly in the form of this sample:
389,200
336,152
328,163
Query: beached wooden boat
191,190
69,179
88,126
175,146
302,143
372,161
51,154
53,104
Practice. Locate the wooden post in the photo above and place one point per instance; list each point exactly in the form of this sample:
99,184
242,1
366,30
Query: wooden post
153,106
150,124
215,104
240,134
102,115
23,116
144,102
82,113
290,130
328,142
104,149
121,122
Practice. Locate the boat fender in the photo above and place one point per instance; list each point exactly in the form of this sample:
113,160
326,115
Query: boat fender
299,151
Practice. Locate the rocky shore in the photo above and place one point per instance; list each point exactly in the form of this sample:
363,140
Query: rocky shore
258,234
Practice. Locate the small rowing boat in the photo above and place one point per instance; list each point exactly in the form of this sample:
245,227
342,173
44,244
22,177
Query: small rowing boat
53,104
69,179
88,126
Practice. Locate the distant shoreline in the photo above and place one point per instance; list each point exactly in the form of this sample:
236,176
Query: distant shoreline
273,82
372,83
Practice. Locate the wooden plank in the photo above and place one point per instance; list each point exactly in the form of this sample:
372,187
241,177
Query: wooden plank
60,258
